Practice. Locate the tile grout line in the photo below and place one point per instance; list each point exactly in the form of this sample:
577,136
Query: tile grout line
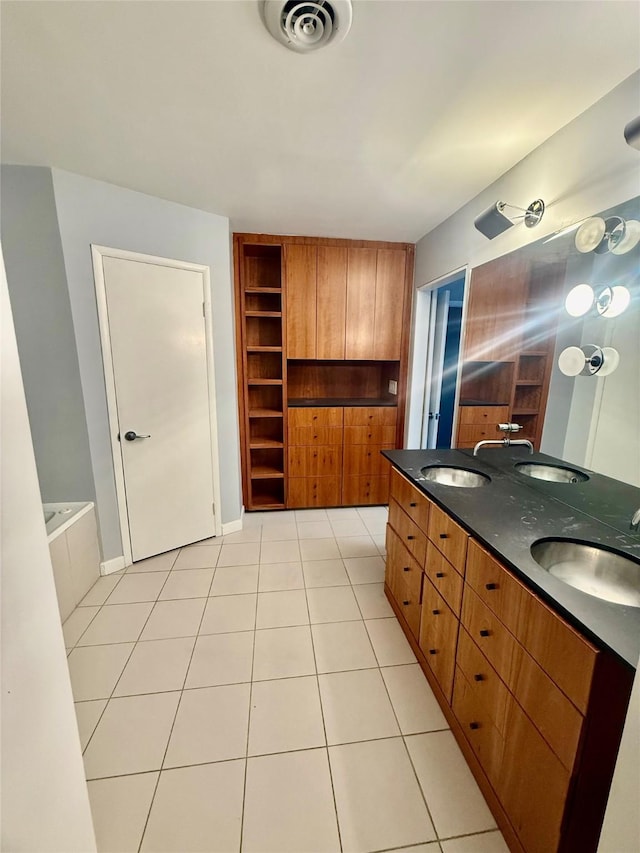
324,725
175,716
246,750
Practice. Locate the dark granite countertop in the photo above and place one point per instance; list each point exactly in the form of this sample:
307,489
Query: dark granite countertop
301,402
513,511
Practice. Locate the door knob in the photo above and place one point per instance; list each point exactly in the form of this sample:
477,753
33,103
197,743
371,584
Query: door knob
131,435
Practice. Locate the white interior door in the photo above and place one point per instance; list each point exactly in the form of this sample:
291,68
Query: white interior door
161,367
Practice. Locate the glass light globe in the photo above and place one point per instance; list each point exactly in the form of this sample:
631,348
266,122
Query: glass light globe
579,300
611,359
630,239
571,361
589,235
619,302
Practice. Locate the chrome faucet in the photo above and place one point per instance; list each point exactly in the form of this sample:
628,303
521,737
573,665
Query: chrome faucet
507,429
635,520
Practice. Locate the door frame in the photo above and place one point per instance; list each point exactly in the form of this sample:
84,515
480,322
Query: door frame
97,254
419,349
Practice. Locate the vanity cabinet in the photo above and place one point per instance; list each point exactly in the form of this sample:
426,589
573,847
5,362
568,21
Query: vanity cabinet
536,707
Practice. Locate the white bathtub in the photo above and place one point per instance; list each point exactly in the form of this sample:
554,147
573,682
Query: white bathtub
59,517
75,554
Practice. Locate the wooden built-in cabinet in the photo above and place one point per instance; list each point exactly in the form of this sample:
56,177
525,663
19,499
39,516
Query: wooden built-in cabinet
537,709
321,325
507,352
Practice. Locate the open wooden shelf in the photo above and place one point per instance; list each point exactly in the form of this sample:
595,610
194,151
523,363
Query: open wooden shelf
263,314
265,444
265,413
264,382
265,472
263,349
254,290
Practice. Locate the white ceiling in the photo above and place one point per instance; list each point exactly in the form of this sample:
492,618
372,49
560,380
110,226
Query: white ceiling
382,137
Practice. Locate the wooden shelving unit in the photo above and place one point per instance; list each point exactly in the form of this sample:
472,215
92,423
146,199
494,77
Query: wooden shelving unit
262,373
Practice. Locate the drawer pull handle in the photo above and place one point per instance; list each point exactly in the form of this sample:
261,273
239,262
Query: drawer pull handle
433,651
315,436
439,574
411,537
435,612
491,586
413,504
474,726
406,603
444,535
478,676
406,569
485,632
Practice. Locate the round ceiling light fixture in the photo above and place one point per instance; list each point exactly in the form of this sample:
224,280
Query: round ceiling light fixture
307,26
608,301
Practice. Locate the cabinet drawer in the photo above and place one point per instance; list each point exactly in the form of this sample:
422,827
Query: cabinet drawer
444,577
311,436
401,565
315,461
557,720
483,414
362,459
409,533
320,416
370,435
410,605
411,499
490,635
313,491
449,537
472,433
370,416
563,654
365,490
438,636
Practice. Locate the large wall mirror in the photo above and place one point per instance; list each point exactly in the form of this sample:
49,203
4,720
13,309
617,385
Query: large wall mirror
519,325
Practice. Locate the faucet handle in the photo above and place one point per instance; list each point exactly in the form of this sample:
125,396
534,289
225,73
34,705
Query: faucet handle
508,427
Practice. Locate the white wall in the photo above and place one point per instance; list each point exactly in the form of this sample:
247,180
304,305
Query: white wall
585,167
91,211
45,806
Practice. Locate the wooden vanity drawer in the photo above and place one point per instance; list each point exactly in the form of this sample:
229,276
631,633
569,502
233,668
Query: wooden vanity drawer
370,435
365,490
311,436
444,577
438,636
449,537
557,720
567,657
489,634
314,461
401,565
313,492
370,416
483,415
472,433
411,499
319,416
409,533
409,601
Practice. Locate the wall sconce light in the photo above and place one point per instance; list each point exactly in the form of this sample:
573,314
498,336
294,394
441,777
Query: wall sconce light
608,301
615,235
588,360
632,133
493,221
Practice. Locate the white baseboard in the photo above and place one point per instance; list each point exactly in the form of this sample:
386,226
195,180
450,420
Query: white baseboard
111,566
233,526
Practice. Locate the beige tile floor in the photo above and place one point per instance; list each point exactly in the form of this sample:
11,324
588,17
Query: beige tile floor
256,693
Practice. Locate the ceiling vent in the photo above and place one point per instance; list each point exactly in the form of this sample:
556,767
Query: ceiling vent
307,26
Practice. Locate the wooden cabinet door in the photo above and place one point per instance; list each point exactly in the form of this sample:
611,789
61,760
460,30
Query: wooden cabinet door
438,636
360,315
331,302
389,303
301,287
497,297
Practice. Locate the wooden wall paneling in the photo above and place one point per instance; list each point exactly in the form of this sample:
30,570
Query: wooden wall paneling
300,263
404,345
360,316
497,297
331,302
389,303
339,380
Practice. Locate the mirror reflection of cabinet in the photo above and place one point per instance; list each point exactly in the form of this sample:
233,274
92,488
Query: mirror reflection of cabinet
508,348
